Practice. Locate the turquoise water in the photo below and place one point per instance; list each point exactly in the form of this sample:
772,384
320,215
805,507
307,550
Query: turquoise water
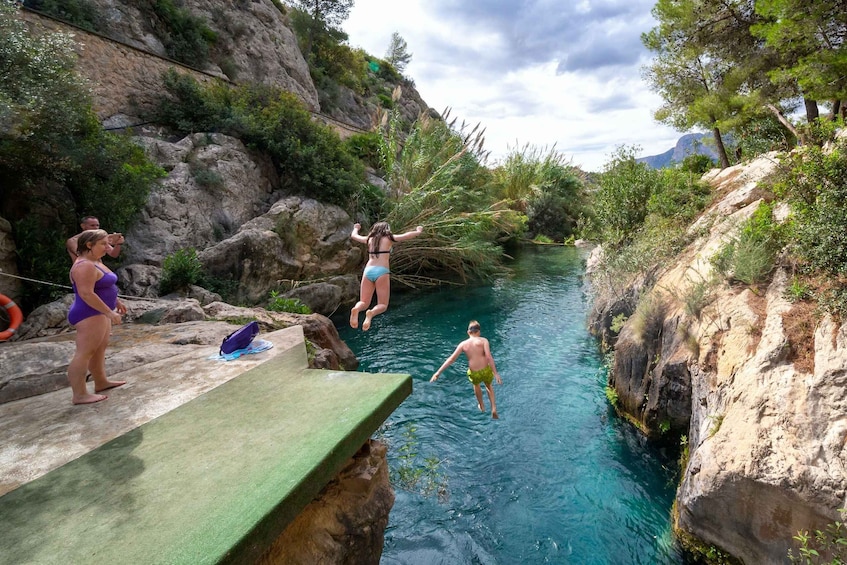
559,478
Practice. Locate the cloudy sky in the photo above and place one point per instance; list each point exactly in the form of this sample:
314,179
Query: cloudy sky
537,72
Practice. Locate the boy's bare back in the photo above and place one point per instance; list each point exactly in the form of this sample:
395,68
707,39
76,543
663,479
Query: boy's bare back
477,351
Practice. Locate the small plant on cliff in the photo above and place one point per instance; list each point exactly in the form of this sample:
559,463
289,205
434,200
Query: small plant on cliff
827,547
750,256
648,318
612,396
618,322
797,290
277,303
683,452
180,270
717,420
697,297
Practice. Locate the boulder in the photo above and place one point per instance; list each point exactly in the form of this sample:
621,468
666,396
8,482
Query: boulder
214,186
297,240
328,297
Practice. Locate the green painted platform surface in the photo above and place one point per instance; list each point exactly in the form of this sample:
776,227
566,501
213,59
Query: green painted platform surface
213,481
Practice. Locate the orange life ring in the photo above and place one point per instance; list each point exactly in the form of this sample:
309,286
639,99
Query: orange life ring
15,316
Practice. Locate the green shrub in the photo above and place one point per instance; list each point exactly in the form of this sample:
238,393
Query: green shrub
797,290
227,287
834,300
55,153
620,203
185,36
112,179
761,135
277,303
309,157
753,261
365,146
207,178
612,396
385,101
180,270
697,164
229,68
618,322
815,183
648,318
82,13
678,195
697,297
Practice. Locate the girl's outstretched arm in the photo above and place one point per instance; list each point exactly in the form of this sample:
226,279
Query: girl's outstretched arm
354,235
409,234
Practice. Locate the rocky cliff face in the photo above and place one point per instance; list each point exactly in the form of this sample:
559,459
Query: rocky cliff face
765,423
252,37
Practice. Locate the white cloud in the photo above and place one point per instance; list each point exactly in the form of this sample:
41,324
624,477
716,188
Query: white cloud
530,72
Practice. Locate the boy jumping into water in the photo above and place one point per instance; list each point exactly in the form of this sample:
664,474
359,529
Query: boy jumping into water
481,368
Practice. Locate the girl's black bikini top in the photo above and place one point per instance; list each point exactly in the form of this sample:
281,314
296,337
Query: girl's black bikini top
391,250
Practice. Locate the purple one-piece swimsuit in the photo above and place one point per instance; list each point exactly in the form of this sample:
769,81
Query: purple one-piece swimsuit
106,288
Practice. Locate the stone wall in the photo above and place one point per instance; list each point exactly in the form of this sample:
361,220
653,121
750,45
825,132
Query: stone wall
126,81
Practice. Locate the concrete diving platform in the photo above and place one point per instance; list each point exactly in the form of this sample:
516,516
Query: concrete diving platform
215,479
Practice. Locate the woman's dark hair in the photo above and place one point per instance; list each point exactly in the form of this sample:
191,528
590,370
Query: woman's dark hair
89,236
378,231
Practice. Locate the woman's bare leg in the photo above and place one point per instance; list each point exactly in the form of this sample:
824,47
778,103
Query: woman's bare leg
90,333
366,293
97,366
383,293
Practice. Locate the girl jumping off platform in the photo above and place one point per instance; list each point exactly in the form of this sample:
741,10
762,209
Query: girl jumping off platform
376,277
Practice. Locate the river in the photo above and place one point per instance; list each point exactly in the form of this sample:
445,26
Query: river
558,478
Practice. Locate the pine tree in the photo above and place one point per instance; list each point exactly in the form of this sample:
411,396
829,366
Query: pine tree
398,54
324,15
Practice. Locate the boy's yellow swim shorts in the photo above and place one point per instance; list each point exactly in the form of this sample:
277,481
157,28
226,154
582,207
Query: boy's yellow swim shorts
484,375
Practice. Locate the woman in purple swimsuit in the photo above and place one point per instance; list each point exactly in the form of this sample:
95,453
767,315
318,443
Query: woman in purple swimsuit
380,242
95,308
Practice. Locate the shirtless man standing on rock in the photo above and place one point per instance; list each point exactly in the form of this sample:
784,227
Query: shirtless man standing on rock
91,223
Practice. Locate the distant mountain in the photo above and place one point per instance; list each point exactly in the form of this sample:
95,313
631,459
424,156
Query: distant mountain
688,144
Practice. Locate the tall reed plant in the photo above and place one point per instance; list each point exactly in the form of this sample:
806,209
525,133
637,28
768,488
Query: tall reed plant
437,180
